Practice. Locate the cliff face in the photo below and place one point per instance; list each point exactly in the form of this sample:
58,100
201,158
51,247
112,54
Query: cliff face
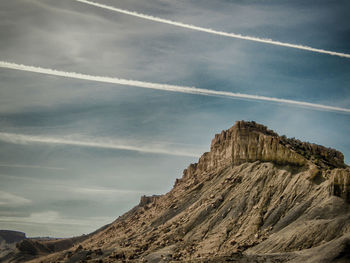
255,197
250,142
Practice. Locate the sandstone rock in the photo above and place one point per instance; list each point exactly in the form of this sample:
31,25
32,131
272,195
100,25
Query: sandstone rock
340,183
146,200
250,142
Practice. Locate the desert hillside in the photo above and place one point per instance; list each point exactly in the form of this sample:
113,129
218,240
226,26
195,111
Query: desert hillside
255,197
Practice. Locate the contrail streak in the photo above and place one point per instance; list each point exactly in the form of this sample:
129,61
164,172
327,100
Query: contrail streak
172,88
102,144
215,32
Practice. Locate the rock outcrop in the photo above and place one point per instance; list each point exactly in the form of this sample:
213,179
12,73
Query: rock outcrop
147,200
250,142
255,197
340,183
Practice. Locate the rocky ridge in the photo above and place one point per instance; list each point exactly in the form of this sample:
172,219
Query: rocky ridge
255,197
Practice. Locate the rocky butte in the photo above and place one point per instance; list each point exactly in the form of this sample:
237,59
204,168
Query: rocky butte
255,197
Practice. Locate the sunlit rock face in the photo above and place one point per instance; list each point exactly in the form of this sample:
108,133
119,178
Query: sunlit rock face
250,142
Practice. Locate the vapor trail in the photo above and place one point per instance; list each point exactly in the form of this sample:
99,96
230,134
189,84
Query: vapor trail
93,143
166,87
215,32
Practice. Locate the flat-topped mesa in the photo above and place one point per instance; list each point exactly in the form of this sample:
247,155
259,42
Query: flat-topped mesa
250,142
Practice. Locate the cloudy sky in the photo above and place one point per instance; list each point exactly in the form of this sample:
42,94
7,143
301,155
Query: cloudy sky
75,154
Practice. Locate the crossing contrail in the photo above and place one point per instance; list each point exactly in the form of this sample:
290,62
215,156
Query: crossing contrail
167,87
94,143
215,32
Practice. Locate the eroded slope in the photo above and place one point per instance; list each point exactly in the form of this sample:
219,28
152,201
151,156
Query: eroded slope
254,197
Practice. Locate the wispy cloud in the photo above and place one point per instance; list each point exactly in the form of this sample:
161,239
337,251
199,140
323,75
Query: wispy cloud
71,189
54,218
172,88
215,32
95,143
30,166
11,200
106,191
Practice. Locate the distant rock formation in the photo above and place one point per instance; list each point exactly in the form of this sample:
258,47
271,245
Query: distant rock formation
255,197
10,236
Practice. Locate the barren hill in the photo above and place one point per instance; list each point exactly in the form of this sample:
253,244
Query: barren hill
255,197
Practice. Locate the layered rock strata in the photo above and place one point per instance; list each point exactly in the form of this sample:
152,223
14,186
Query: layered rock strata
250,142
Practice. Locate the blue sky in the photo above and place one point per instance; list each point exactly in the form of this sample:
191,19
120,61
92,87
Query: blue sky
64,190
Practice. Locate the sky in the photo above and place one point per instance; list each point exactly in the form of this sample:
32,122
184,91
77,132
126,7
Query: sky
75,153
